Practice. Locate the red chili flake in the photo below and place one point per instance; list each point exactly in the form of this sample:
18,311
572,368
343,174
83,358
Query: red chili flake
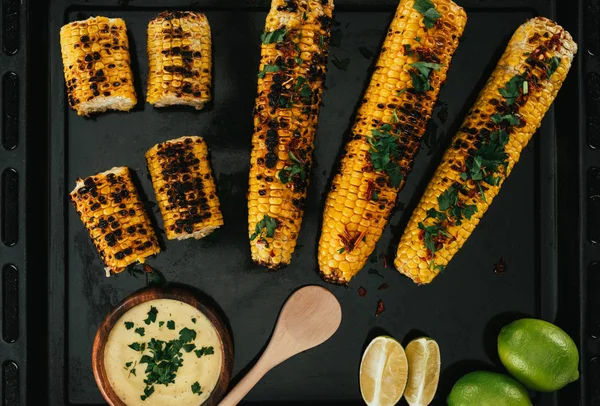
380,308
148,268
385,265
370,189
383,286
362,292
500,267
350,243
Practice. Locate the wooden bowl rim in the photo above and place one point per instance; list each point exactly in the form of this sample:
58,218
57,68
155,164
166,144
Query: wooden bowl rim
154,293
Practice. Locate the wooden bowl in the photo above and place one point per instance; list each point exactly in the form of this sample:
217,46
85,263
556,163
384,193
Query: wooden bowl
151,294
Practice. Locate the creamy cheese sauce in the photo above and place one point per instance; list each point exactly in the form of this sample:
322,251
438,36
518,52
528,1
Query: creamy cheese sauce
204,369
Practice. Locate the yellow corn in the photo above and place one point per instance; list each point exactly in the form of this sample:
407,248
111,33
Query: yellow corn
110,208
363,195
179,58
510,107
96,63
185,188
290,85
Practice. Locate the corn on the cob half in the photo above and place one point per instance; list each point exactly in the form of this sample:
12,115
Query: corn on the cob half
290,85
387,134
482,154
110,208
96,63
179,57
185,188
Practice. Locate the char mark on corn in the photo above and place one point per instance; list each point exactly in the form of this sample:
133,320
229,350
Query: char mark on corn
185,188
387,133
506,114
180,59
110,208
96,64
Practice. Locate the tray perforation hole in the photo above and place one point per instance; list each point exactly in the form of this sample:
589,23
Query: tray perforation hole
592,96
11,26
10,384
593,189
9,207
10,111
10,303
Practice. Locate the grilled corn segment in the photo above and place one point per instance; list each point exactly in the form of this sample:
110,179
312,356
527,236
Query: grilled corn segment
179,57
482,154
110,208
185,188
290,85
387,134
96,63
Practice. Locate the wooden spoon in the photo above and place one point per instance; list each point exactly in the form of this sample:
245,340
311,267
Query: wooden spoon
308,318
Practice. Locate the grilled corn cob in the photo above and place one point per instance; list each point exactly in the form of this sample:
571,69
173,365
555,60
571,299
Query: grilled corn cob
290,85
185,188
96,63
387,133
110,208
179,57
482,154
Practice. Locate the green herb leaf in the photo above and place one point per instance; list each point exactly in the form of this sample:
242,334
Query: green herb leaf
434,214
137,346
194,320
385,152
267,224
148,390
418,39
273,36
189,347
161,323
420,76
375,196
128,325
186,335
204,351
448,199
321,41
509,118
427,9
512,89
151,315
553,64
171,325
298,60
128,364
341,250
196,388
140,331
133,372
268,68
341,64
407,50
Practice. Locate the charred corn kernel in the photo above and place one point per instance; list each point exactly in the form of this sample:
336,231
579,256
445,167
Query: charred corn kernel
290,86
179,57
482,154
185,188
96,63
389,126
110,208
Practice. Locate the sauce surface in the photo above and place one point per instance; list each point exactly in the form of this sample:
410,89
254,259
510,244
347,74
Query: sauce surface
174,324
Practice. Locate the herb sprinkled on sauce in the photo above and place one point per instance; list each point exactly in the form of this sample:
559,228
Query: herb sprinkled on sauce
151,315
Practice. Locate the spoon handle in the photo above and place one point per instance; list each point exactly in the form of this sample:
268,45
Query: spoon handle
248,382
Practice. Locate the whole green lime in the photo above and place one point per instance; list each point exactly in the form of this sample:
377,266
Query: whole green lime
483,388
539,354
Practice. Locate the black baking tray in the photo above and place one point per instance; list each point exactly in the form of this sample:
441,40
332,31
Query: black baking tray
545,223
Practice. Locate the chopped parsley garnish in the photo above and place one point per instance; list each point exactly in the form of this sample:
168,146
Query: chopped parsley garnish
273,36
137,346
418,39
128,325
321,41
196,388
511,119
420,75
341,64
151,315
427,9
266,226
133,372
189,347
268,68
140,331
395,116
298,60
148,390
512,89
385,152
186,335
204,351
407,50
553,64
171,325
430,233
341,250
286,174
194,320
161,323
128,364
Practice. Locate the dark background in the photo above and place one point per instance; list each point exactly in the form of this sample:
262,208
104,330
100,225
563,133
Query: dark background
537,223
